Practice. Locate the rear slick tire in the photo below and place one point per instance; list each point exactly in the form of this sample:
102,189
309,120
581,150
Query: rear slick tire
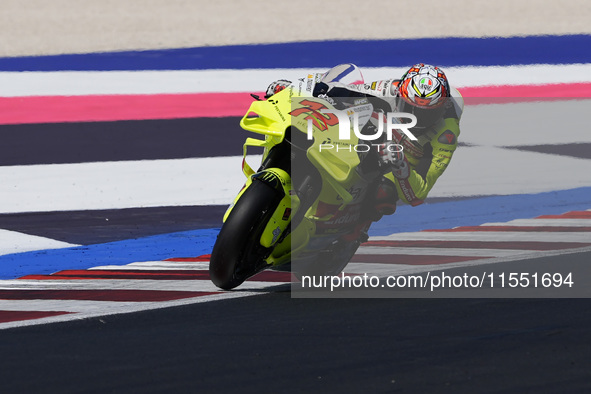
237,253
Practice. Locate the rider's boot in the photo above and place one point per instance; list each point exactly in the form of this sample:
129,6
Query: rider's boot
384,203
385,199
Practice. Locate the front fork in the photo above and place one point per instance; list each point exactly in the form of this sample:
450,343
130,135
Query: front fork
298,195
279,222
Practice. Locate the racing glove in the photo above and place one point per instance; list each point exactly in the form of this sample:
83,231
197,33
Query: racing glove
392,159
276,87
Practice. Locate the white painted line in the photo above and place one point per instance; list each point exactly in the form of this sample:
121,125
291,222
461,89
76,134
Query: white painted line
385,250
124,184
490,236
15,242
107,285
544,223
70,83
470,172
75,306
209,181
401,269
526,123
96,309
155,266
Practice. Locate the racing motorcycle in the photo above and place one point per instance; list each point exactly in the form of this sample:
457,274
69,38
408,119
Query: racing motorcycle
308,207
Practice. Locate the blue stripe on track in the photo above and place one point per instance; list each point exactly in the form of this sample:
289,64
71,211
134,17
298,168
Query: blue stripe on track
367,53
197,242
155,248
474,212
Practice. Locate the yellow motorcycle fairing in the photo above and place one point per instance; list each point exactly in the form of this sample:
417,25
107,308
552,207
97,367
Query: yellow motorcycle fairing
272,118
290,202
267,118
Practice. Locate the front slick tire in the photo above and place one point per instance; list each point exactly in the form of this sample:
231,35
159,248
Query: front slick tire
237,253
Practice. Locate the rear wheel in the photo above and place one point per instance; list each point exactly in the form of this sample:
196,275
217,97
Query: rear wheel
330,262
237,253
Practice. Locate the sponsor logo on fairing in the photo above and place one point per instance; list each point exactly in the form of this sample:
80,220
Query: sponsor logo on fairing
355,118
344,122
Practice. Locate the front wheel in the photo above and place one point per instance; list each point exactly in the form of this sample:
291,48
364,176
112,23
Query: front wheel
237,253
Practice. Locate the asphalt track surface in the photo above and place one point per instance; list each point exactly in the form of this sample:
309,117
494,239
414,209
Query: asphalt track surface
273,343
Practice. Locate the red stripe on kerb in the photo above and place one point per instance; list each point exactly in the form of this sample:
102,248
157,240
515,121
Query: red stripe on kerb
203,257
524,245
123,274
568,215
265,276
55,109
101,295
411,259
525,93
557,229
272,276
9,316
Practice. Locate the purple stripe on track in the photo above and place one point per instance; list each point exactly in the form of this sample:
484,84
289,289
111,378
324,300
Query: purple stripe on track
93,227
58,143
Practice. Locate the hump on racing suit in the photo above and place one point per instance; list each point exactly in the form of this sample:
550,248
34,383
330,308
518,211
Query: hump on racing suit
347,74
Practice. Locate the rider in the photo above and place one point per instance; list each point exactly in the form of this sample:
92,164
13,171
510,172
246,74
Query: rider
424,91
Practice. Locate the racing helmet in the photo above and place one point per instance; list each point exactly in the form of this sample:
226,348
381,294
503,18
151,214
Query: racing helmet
423,91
